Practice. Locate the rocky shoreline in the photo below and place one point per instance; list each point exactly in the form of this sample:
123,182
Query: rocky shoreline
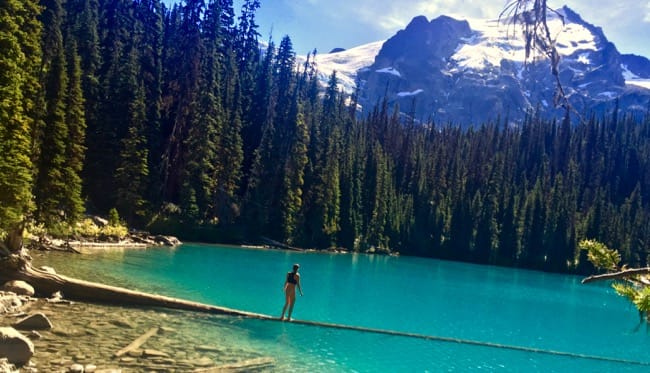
56,335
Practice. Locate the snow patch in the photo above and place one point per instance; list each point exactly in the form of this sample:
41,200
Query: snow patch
494,41
643,83
412,93
584,58
390,70
608,94
346,64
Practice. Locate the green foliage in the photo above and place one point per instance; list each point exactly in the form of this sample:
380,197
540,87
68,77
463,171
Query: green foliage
114,231
113,217
87,228
19,37
626,291
640,297
601,256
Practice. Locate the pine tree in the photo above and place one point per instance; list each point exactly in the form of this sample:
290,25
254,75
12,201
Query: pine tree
73,204
150,15
186,79
131,174
110,125
50,188
20,33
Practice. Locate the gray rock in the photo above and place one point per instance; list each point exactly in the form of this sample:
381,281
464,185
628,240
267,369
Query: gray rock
122,323
90,368
9,302
154,353
6,367
100,222
76,368
37,321
14,346
202,362
167,240
18,287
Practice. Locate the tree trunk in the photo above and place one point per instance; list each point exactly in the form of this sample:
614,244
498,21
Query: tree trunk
19,268
13,243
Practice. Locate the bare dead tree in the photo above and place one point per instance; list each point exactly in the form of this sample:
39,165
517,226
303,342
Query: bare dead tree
532,17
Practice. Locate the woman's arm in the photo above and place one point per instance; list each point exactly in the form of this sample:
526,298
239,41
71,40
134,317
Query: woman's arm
298,283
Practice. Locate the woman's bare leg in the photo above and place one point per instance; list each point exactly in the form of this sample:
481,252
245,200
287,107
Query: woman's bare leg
287,300
293,301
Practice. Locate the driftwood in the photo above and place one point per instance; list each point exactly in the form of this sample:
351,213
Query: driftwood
617,275
137,342
240,366
277,244
45,283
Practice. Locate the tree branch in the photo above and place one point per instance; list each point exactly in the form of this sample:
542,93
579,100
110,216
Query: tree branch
617,275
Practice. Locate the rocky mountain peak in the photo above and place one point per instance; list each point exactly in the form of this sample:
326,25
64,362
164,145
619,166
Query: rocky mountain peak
472,71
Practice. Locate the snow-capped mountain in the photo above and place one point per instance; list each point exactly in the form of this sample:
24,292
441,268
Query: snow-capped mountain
472,71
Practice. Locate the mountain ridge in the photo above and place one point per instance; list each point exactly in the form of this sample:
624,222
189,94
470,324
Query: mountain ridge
471,71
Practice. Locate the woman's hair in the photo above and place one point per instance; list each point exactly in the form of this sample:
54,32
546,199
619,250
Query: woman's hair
296,266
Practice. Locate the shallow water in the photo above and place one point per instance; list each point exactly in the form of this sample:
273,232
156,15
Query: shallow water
519,308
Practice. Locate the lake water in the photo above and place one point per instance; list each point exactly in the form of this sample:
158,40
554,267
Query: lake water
546,312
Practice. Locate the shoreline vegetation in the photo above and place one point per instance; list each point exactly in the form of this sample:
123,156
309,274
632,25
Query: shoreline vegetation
32,296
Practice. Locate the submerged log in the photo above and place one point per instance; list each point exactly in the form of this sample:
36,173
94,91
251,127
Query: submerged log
241,366
46,283
137,342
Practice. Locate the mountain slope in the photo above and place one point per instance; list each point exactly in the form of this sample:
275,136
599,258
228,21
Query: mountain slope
472,71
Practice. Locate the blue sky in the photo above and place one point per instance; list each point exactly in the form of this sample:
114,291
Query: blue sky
326,24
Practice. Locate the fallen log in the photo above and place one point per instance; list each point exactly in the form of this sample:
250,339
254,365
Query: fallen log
137,342
46,283
617,275
240,366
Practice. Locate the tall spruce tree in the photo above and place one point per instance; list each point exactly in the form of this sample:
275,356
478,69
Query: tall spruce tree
73,203
20,33
131,174
50,187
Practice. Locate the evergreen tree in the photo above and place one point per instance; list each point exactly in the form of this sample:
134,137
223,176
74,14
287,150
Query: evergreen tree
131,174
73,204
51,180
20,33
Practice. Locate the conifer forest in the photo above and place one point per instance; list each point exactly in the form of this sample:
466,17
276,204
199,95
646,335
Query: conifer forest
185,123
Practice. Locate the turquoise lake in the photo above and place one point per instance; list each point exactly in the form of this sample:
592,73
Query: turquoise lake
542,311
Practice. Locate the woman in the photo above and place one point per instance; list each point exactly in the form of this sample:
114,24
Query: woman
292,280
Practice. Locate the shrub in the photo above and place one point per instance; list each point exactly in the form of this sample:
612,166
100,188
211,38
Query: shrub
87,228
113,217
115,231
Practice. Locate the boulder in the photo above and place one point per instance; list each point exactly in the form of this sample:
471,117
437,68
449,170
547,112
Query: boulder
6,367
37,321
9,302
19,287
14,346
167,240
76,368
100,222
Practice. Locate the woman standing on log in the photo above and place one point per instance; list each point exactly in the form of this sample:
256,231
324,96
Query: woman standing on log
292,281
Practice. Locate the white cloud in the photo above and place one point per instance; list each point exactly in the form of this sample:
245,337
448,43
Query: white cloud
346,23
